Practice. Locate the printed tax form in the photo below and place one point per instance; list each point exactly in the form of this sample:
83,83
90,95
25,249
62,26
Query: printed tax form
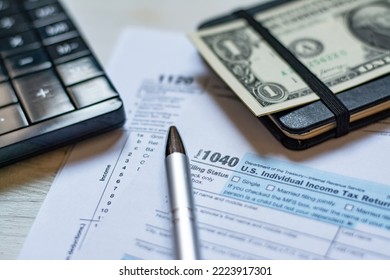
254,199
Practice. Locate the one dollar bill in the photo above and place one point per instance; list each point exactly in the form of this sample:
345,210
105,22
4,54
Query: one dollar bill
343,42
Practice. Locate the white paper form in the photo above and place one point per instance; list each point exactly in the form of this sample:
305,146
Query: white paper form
254,198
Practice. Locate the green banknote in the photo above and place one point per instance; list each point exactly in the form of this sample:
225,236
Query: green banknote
343,42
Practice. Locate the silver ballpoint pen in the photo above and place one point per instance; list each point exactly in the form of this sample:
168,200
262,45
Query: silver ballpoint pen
181,198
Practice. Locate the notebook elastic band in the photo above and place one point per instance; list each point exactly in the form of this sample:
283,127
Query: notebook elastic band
339,110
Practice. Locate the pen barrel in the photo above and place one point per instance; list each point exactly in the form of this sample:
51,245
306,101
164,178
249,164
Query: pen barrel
181,201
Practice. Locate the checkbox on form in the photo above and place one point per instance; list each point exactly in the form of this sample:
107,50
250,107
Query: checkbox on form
270,188
348,207
236,179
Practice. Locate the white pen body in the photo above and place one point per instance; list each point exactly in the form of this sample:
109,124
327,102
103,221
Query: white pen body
181,201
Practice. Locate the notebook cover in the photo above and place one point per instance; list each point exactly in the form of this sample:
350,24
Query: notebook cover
303,119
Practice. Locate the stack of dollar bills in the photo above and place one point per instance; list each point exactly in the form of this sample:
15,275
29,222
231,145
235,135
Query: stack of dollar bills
345,43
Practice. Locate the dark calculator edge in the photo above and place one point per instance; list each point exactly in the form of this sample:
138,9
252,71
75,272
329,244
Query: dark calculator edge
53,91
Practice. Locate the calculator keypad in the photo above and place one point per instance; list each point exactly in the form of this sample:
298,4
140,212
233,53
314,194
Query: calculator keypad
27,62
46,72
67,50
42,95
7,95
52,12
91,92
78,70
57,31
11,118
8,7
18,43
32,4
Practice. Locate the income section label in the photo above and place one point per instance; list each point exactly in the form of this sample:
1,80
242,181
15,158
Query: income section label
309,192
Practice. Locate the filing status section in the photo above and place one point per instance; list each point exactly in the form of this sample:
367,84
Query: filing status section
267,208
307,192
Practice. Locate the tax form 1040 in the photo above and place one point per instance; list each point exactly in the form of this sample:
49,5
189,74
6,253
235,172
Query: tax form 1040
254,199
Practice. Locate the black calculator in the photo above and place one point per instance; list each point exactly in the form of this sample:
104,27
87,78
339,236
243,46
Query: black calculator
53,91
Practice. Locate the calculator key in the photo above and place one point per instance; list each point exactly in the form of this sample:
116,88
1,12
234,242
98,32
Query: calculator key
57,31
48,13
17,43
91,92
11,118
79,70
67,50
32,4
3,73
42,96
27,62
12,24
8,7
7,95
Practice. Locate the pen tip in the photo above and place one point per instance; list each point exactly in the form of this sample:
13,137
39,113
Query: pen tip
174,143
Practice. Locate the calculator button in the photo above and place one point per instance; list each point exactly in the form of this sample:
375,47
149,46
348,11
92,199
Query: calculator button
57,31
8,7
11,118
79,70
17,43
51,12
42,95
12,24
27,62
3,73
91,92
68,50
32,4
7,95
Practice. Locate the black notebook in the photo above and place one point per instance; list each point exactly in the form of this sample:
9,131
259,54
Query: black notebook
333,115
